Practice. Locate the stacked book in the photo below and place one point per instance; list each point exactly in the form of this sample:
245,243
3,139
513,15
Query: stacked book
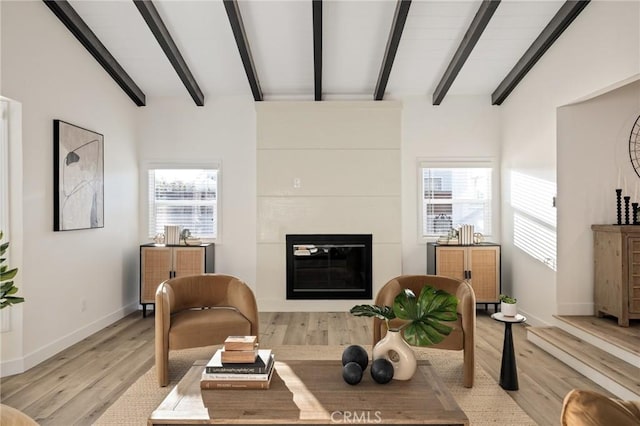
172,234
465,234
240,364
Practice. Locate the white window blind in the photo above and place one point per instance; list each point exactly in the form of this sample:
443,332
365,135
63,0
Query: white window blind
534,217
453,196
184,197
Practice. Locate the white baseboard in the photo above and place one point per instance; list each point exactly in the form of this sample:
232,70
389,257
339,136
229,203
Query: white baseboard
11,367
20,365
279,305
533,320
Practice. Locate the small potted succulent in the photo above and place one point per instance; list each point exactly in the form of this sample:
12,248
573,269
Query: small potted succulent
508,306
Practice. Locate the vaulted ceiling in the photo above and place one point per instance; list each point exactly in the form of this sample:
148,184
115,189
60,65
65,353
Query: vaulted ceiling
314,49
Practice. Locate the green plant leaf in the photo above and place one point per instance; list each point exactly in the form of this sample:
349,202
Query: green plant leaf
405,306
507,299
382,312
425,333
5,287
424,314
5,276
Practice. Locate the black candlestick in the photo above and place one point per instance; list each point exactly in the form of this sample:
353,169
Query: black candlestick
634,210
619,204
626,209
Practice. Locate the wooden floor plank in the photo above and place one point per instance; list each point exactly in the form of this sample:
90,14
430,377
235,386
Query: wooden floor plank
619,371
607,328
543,379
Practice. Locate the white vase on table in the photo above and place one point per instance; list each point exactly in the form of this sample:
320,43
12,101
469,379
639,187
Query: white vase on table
395,349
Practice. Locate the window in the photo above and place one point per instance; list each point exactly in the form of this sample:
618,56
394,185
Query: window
534,217
187,197
453,196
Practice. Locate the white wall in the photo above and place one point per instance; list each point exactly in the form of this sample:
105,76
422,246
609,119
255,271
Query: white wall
600,48
12,318
346,156
462,127
223,131
47,70
592,134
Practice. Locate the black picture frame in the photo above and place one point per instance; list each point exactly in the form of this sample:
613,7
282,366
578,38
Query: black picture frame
78,177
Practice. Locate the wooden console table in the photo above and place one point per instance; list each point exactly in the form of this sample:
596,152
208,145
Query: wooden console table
616,256
313,392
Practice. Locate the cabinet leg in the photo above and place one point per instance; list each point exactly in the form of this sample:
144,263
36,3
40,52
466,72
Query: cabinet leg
144,310
623,322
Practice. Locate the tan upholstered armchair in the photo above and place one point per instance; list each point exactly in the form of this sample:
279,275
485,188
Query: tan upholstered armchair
463,335
588,408
201,310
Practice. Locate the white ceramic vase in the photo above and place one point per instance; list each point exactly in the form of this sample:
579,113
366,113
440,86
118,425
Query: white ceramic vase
394,348
508,309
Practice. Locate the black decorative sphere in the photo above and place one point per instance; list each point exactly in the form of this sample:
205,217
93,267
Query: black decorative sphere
382,370
355,353
352,373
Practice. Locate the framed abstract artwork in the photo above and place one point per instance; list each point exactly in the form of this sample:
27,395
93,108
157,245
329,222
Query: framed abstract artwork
78,177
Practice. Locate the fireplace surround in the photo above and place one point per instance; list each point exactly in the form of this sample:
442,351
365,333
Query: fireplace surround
329,266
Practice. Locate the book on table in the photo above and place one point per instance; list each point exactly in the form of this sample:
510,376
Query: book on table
259,366
240,343
257,375
239,357
213,384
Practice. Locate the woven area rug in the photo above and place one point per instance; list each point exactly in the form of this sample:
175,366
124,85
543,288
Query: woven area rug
485,404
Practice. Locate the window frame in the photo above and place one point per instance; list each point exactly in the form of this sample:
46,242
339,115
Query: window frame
186,165
463,163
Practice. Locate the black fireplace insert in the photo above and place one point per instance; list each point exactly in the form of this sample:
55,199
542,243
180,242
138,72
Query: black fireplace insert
329,266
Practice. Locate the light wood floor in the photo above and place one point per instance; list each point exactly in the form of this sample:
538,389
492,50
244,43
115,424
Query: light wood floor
78,384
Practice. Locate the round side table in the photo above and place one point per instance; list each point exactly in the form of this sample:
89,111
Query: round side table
508,369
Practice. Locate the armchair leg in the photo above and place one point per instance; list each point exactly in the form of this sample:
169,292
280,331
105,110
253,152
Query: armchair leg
162,368
468,369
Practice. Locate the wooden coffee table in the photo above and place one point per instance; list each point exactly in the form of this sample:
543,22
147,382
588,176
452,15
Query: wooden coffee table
313,392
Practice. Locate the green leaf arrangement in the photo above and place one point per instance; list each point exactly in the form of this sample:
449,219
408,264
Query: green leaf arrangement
507,299
423,315
7,289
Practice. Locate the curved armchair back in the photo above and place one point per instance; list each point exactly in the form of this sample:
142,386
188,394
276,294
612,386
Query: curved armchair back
209,291
201,310
463,335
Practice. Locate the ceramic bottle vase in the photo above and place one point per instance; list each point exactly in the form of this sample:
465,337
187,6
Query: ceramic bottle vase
394,348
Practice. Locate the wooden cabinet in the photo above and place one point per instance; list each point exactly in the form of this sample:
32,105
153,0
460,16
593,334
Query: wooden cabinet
161,262
479,264
616,255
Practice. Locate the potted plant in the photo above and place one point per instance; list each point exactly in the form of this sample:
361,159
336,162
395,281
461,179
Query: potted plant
421,325
7,289
508,306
